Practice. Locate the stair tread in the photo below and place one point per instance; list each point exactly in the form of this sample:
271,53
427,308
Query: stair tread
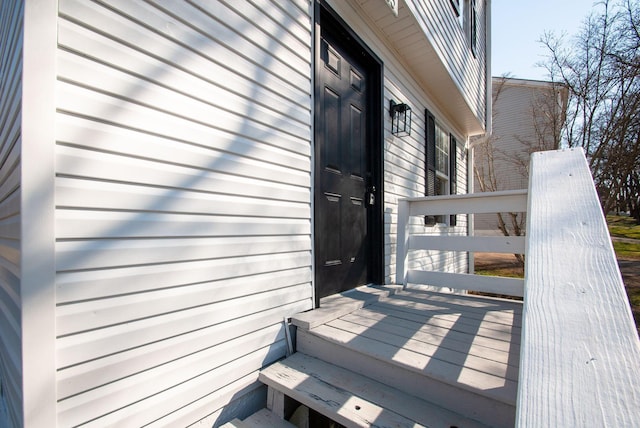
448,371
333,307
235,423
352,399
265,418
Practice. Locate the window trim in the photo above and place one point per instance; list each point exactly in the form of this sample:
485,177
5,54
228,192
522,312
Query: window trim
432,174
455,4
473,27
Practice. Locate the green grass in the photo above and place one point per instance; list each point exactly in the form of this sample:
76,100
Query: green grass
627,250
634,296
515,272
623,227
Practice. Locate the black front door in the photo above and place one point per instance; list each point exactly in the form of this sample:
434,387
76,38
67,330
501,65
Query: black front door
345,193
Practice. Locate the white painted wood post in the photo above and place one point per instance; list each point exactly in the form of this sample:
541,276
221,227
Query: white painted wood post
37,239
402,246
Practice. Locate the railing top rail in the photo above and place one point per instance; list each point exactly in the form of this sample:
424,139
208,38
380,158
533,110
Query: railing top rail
580,354
470,203
468,196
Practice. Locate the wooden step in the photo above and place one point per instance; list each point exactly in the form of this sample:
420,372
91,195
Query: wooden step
235,423
351,399
263,418
458,352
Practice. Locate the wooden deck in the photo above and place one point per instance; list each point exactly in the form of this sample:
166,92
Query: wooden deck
458,352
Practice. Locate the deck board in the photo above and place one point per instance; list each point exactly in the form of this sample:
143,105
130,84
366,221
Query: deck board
468,341
451,321
416,332
440,328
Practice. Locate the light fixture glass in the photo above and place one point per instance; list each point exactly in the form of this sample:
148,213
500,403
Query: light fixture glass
400,118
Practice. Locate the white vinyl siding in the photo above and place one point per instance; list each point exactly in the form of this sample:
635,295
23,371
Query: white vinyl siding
183,191
451,44
11,39
518,105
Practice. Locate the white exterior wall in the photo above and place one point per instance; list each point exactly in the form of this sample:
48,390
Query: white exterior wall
183,218
11,40
183,195
452,47
521,115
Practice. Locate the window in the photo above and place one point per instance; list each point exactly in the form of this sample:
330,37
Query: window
441,166
467,15
456,6
473,26
442,152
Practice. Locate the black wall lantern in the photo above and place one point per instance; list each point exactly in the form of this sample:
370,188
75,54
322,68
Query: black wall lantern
400,118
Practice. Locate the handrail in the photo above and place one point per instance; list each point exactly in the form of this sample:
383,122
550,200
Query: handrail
473,203
580,354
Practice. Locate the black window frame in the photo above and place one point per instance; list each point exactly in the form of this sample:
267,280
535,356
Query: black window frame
431,175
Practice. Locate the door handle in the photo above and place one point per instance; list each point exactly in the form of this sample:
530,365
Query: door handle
371,196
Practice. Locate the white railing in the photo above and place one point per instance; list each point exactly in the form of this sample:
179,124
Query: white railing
474,203
580,353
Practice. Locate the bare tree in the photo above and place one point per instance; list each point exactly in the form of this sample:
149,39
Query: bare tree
601,68
503,157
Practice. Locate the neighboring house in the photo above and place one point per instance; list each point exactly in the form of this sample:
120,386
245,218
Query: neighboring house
176,178
527,117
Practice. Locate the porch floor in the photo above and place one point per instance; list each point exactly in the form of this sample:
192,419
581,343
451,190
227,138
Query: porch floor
468,345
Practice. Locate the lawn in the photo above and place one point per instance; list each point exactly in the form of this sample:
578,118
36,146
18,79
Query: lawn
623,227
627,250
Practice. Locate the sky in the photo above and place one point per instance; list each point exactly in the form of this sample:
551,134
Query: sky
517,25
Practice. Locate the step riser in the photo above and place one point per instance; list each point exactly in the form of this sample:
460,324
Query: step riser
487,411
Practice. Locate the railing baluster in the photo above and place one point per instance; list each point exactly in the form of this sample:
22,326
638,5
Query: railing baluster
402,242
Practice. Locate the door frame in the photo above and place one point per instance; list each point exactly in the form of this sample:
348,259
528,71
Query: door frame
328,19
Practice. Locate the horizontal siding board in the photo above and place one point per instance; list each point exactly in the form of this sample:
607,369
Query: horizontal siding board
76,224
165,37
239,399
85,285
204,148
83,376
9,194
121,339
156,386
95,254
10,207
194,75
11,57
124,112
10,118
10,252
11,83
295,18
122,309
201,387
210,102
256,27
229,30
90,165
120,197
